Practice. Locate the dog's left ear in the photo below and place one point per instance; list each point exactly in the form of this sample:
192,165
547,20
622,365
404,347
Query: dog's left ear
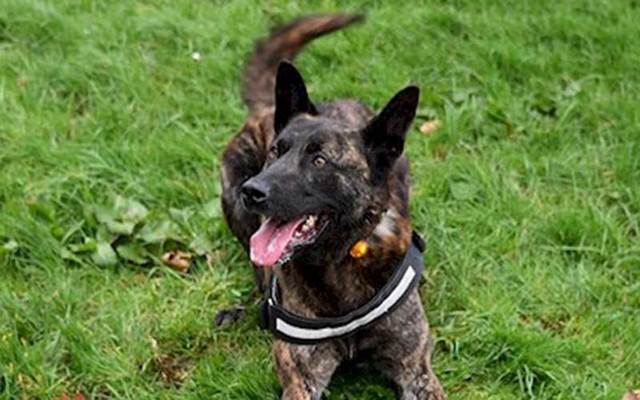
291,96
385,135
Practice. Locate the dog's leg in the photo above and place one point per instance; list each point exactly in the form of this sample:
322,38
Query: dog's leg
415,378
305,371
413,374
403,352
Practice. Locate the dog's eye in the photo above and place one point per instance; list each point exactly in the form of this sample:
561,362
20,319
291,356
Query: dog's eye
319,161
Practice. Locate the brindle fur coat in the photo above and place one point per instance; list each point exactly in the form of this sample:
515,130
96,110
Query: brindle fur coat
362,185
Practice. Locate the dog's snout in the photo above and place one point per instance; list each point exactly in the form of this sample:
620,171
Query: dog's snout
254,192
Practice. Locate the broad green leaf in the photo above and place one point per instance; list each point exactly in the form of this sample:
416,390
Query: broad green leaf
130,210
123,217
158,232
120,228
103,234
201,245
133,252
104,214
109,219
104,255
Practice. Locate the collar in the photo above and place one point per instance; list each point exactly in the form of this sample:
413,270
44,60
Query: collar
300,330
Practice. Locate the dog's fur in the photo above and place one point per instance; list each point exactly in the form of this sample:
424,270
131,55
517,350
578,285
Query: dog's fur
361,183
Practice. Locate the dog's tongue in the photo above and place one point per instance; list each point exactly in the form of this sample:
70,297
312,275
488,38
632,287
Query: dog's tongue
269,242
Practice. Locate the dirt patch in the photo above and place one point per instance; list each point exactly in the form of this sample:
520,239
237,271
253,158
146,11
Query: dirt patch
172,369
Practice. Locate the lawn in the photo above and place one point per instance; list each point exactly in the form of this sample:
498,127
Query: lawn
529,192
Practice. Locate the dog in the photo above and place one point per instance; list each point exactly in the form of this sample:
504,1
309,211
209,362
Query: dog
318,195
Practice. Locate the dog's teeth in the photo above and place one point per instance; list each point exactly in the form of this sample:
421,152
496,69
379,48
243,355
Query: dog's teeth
311,220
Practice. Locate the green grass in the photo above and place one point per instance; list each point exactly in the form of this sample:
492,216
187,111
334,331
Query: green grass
529,193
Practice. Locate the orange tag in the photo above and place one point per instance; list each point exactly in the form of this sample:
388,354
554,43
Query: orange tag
360,249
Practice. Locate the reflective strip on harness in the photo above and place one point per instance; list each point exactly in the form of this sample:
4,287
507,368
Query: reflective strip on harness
324,333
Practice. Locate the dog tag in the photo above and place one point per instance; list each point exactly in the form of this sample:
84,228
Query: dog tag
360,249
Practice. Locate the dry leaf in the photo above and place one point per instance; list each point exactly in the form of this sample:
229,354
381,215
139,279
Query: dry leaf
65,396
632,395
428,127
178,260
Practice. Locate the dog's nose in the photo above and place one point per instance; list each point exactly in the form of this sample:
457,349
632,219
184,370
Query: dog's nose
254,192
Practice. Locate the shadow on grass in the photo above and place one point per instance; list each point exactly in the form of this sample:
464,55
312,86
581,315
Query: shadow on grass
359,382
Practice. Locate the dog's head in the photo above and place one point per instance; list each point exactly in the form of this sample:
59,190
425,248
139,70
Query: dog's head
323,184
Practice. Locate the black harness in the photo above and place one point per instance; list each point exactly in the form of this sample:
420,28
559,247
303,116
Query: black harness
299,330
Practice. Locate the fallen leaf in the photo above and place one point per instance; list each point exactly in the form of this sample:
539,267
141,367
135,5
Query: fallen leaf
178,260
632,395
428,127
65,396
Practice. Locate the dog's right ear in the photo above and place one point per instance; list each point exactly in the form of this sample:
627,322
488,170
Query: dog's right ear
385,135
291,96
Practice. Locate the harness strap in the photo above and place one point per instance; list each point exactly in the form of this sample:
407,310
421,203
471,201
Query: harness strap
300,330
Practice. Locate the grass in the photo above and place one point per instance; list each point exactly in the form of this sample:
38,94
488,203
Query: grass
529,192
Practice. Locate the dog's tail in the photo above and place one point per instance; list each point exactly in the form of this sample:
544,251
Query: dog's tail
284,43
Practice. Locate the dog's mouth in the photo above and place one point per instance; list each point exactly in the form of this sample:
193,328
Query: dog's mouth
275,242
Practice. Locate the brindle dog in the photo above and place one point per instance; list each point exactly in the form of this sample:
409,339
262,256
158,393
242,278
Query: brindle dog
302,183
